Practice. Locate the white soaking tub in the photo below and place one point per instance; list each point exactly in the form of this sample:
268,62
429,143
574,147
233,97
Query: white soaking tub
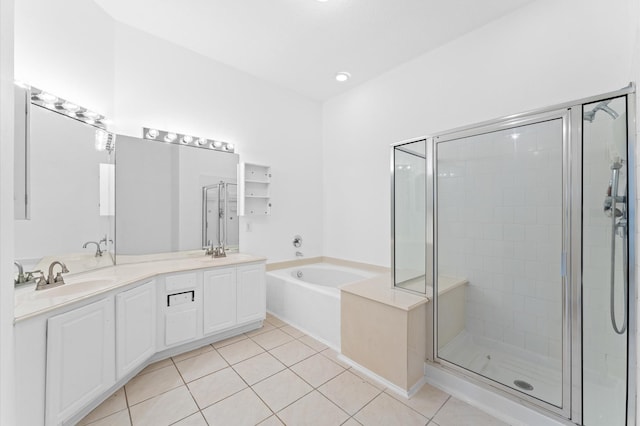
308,297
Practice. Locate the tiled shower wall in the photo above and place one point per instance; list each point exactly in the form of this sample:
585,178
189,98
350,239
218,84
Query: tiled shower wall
499,207
604,350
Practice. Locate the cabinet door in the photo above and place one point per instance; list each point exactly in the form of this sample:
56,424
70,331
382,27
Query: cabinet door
251,293
80,359
135,327
219,299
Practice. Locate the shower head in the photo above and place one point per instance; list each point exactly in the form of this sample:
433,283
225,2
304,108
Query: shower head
602,106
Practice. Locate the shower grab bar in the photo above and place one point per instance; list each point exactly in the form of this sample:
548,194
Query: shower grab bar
611,210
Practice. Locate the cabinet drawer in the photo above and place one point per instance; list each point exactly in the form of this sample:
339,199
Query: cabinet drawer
180,282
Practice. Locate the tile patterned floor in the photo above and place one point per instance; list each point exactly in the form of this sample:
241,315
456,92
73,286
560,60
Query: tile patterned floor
272,376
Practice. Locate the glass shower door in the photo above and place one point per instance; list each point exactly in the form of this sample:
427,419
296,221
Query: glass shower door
500,232
605,262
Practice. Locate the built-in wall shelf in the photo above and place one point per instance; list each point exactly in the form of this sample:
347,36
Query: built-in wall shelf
253,189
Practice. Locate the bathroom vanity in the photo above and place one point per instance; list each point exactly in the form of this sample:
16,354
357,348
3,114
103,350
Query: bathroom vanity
78,343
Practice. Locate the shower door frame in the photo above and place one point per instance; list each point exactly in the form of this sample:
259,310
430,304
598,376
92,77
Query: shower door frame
571,114
511,123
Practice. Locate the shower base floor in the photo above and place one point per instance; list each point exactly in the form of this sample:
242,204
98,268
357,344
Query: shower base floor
506,364
604,396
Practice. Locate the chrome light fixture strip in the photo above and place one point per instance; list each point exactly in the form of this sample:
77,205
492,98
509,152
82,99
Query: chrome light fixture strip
62,106
186,140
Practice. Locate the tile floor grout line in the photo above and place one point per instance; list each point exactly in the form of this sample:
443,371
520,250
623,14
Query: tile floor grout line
126,400
380,392
243,360
413,409
440,408
220,400
282,344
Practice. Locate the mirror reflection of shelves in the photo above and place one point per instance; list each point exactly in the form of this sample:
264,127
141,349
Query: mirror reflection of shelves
254,198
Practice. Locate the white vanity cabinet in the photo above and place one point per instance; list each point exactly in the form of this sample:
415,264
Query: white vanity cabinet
73,354
219,289
251,293
80,359
233,297
135,327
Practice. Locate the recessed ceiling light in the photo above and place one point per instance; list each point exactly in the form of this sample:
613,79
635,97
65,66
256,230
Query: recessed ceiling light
343,76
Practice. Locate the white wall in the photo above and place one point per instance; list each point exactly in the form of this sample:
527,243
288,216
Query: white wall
162,85
66,48
546,53
7,366
139,80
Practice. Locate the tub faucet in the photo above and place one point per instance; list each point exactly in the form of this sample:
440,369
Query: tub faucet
98,249
51,281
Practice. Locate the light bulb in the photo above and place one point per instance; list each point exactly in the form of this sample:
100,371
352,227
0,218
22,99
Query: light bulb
217,144
202,141
90,114
50,105
187,139
343,76
230,147
152,134
70,107
90,121
170,137
47,97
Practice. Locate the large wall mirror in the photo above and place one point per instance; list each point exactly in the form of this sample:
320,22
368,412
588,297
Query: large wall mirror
409,179
166,194
64,199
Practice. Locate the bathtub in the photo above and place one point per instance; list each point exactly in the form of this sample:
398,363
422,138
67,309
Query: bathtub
308,298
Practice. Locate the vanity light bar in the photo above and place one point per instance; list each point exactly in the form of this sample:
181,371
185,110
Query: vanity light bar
188,140
62,106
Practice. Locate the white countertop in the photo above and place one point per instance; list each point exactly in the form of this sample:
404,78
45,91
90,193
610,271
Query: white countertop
29,303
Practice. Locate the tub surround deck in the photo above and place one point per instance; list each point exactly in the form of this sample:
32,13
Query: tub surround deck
30,303
332,260
383,333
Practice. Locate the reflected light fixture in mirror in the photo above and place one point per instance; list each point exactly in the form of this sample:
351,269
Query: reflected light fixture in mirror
65,107
105,141
187,140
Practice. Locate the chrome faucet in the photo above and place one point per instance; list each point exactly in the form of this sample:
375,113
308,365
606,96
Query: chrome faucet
21,278
104,240
215,251
98,249
219,252
51,280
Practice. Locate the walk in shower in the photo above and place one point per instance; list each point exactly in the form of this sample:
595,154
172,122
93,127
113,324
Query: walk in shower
530,215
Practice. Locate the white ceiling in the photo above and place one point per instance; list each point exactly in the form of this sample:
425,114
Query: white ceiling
301,44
